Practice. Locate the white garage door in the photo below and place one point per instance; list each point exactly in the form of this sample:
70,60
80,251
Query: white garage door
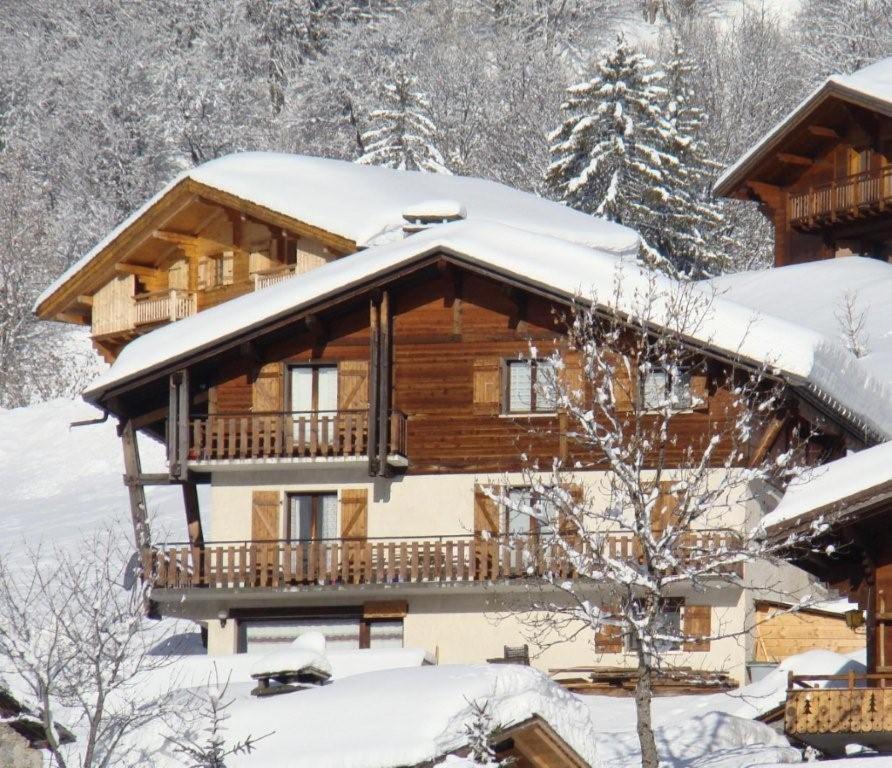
341,634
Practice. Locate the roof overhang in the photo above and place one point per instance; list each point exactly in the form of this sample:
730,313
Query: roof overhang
735,176
98,267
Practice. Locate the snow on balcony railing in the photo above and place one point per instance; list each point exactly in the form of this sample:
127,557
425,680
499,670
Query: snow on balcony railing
164,306
270,277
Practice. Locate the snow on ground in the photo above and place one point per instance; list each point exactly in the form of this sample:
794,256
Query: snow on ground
60,485
833,482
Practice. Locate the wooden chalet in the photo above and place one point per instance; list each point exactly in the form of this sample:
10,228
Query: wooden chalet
824,175
850,504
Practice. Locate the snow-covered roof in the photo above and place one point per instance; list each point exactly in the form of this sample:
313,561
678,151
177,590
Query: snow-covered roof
395,717
805,354
366,204
872,84
866,475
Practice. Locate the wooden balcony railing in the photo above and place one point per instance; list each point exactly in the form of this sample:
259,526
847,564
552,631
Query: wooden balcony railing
273,276
345,562
849,197
305,434
163,306
855,704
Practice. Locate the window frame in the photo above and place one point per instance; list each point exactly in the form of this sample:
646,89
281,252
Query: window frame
535,529
678,605
533,363
315,366
686,372
316,510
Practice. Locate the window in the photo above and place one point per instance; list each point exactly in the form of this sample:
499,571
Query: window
518,523
527,389
314,401
218,270
669,622
312,516
660,384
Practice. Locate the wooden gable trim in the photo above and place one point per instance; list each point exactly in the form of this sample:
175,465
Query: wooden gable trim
183,193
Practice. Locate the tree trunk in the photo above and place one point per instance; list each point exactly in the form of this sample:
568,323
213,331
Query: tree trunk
643,696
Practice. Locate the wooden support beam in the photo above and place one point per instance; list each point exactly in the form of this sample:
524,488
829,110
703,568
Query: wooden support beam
193,514
315,326
385,355
823,132
135,269
87,301
183,425
173,405
132,467
767,440
790,159
192,243
152,478
374,365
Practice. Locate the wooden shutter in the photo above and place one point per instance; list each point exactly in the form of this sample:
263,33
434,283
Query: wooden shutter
228,267
567,526
265,516
625,388
697,623
486,512
266,392
699,392
665,509
354,513
609,639
487,387
353,385
178,275
258,262
571,377
205,269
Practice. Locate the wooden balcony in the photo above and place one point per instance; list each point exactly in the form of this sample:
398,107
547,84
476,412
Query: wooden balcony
163,306
852,197
344,562
855,709
273,276
297,435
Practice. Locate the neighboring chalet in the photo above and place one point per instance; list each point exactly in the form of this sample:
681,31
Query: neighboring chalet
849,503
348,413
823,176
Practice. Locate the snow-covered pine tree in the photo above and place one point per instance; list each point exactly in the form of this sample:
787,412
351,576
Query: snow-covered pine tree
607,155
402,136
694,240
481,732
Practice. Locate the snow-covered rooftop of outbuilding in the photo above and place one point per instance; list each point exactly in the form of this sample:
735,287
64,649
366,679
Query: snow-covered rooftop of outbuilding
366,204
873,82
833,483
800,347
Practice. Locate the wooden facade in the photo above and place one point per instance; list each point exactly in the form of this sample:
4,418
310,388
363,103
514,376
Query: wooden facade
824,181
854,556
780,633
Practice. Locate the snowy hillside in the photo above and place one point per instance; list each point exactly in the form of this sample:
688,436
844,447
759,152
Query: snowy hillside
60,484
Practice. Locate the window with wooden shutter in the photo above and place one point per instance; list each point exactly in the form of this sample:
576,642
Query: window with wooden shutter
572,376
353,385
625,389
665,510
205,274
266,392
697,624
227,268
486,512
486,520
487,385
699,391
568,526
609,639
265,516
354,513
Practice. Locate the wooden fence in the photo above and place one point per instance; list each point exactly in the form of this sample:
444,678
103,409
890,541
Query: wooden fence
856,704
842,198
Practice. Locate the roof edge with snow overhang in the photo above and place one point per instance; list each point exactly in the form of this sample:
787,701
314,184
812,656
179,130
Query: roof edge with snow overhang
834,87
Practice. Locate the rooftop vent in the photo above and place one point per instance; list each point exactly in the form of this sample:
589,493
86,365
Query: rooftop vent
431,212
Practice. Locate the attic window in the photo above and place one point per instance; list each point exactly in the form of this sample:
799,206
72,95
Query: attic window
659,384
430,212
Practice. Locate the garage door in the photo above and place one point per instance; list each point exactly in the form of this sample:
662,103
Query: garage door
262,636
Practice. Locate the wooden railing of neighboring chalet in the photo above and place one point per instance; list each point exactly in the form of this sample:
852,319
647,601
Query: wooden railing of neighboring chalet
847,197
412,560
304,434
163,306
273,276
855,704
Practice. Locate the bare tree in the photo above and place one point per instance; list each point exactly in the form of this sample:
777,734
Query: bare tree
852,319
666,517
73,630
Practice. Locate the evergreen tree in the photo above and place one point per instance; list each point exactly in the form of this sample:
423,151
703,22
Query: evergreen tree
694,241
482,733
403,135
607,155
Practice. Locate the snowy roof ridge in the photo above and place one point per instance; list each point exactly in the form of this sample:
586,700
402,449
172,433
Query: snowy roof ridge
736,324
365,204
872,83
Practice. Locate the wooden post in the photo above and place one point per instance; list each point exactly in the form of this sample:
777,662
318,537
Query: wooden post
173,458
384,385
374,348
183,426
133,469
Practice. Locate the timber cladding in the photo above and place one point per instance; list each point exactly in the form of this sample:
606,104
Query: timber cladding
453,335
779,634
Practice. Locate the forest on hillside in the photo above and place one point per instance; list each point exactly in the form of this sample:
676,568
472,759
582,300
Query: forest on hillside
103,101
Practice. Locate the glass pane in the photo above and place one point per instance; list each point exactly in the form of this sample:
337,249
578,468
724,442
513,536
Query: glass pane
301,517
654,389
518,522
519,385
302,389
328,388
386,634
328,516
544,397
681,389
